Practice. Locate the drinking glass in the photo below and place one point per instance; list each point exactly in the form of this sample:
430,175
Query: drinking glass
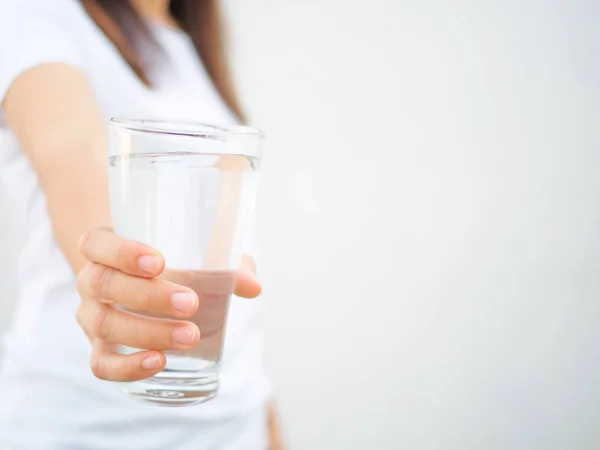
187,190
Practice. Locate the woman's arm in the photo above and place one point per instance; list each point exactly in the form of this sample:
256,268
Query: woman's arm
275,432
52,111
54,115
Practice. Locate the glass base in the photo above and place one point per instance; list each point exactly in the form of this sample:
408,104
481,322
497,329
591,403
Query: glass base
167,389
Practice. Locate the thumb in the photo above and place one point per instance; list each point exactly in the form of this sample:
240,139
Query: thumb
246,283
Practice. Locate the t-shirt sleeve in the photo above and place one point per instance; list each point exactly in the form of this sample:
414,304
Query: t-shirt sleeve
35,32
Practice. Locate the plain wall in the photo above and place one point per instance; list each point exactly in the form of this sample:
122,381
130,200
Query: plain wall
430,219
430,214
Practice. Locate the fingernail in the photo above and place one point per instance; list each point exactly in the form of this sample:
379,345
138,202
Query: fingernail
149,264
184,302
184,335
152,362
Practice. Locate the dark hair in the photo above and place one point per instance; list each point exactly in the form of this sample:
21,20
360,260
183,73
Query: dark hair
200,19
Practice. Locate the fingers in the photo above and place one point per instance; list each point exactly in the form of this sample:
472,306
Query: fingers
246,283
102,246
109,365
102,322
125,272
140,294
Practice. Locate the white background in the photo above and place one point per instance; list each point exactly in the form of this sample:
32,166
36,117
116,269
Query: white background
430,219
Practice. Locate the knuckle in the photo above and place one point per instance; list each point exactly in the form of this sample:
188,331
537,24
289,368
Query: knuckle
144,338
121,255
83,242
98,367
130,373
99,278
101,325
146,299
80,316
82,280
117,256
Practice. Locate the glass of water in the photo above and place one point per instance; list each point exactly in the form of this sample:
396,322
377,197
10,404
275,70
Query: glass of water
187,190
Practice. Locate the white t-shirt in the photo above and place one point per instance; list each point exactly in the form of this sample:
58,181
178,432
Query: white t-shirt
48,397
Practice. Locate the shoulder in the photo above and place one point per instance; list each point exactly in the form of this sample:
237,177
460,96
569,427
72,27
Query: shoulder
32,19
50,10
25,20
34,32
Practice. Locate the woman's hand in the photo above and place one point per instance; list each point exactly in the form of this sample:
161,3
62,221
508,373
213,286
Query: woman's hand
123,272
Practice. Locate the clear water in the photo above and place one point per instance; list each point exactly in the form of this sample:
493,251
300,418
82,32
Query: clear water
195,210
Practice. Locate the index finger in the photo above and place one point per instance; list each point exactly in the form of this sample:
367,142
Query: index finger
102,246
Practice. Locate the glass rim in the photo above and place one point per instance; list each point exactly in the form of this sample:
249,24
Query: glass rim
183,128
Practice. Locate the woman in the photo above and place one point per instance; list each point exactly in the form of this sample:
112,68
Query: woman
66,67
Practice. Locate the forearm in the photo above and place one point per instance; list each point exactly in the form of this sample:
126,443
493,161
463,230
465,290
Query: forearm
76,205
274,426
53,113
